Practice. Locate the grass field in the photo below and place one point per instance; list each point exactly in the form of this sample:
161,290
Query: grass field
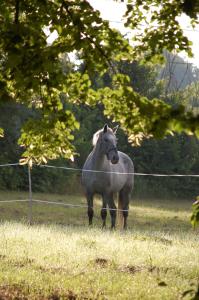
59,257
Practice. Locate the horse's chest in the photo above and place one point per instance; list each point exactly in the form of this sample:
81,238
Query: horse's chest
100,183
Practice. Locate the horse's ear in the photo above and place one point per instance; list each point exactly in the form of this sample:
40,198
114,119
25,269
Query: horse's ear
115,129
105,128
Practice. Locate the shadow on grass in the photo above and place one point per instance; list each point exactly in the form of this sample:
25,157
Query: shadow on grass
179,205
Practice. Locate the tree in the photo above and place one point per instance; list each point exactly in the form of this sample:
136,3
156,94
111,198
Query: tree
190,96
32,73
177,73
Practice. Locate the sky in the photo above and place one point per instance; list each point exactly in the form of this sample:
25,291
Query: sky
113,11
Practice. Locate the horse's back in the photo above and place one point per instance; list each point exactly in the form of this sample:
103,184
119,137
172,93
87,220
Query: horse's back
126,160
125,165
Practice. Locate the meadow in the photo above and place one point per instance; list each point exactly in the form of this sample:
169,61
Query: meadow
60,257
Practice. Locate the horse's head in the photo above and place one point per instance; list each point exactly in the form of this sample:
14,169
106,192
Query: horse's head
108,143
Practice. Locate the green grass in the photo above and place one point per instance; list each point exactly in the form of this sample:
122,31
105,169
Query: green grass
157,258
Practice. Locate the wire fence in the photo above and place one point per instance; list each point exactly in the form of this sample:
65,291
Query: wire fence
121,173
30,200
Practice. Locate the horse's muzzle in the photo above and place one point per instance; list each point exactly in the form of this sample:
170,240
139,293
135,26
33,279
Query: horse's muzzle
112,155
115,159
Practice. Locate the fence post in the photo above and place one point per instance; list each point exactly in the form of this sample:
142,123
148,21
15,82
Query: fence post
30,195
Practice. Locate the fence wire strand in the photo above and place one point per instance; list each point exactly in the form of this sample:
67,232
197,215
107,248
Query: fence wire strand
121,173
10,201
74,205
31,200
108,172
9,165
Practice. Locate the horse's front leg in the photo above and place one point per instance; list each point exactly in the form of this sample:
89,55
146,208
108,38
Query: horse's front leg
113,210
104,211
89,197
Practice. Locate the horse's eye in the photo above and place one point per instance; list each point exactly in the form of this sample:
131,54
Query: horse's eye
106,140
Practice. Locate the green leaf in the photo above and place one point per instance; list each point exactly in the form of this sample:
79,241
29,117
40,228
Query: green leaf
1,132
195,213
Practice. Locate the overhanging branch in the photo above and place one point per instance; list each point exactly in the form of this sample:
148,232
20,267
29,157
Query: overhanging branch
17,11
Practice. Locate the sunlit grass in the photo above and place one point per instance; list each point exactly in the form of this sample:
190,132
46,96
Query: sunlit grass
87,261
157,258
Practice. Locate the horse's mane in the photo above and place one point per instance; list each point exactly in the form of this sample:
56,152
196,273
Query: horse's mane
97,134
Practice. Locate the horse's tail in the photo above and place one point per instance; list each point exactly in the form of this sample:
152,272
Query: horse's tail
120,216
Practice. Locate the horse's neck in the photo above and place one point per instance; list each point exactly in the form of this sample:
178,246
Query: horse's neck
98,158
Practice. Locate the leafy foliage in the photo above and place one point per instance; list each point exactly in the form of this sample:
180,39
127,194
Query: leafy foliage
189,97
140,117
163,30
32,70
195,213
1,132
39,141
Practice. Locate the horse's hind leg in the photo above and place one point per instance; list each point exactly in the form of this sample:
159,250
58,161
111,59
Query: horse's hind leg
103,212
90,207
124,198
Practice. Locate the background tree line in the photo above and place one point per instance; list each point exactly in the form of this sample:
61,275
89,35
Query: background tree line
174,154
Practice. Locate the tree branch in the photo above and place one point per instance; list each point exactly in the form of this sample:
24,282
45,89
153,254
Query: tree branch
17,11
89,38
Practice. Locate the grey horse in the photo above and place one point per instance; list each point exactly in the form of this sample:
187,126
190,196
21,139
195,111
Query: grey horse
107,172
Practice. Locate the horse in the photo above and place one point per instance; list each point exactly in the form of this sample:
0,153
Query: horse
108,172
